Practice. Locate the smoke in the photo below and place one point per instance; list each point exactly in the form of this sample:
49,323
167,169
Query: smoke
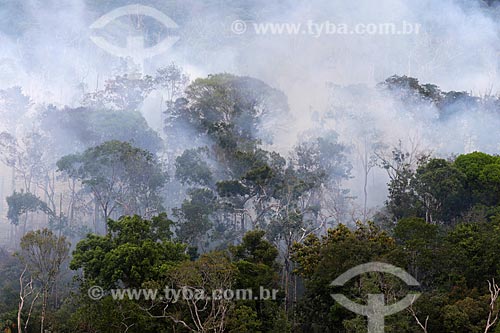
330,79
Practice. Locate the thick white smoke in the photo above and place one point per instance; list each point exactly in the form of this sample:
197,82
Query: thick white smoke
47,51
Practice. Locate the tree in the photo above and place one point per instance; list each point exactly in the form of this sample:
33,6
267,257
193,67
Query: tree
12,281
439,188
229,110
422,248
43,254
490,177
25,156
493,313
212,273
194,216
33,163
472,253
119,176
400,165
254,248
255,259
123,93
253,187
321,260
171,80
408,89
21,203
368,147
478,168
244,319
134,251
192,169
26,291
322,163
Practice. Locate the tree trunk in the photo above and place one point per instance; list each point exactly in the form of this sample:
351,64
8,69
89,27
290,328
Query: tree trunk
21,301
106,216
44,308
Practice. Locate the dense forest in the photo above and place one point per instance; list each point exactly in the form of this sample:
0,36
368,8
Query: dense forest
219,210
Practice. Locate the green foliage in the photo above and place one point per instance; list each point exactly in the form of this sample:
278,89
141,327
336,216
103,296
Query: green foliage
322,260
325,156
110,316
468,314
247,181
190,168
443,216
439,187
474,253
223,105
442,191
230,188
23,202
421,248
210,273
135,251
244,319
490,178
401,201
10,269
194,215
452,264
43,253
120,176
255,259
255,249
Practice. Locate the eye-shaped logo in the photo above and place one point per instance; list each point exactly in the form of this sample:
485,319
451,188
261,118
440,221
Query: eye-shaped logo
135,48
376,309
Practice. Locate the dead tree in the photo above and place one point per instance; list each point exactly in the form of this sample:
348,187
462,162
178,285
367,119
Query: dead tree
423,325
493,313
26,290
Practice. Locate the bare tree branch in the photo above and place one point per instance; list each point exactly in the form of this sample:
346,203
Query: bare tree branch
493,313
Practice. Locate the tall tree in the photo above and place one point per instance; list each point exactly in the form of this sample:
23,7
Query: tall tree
120,176
44,253
439,188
